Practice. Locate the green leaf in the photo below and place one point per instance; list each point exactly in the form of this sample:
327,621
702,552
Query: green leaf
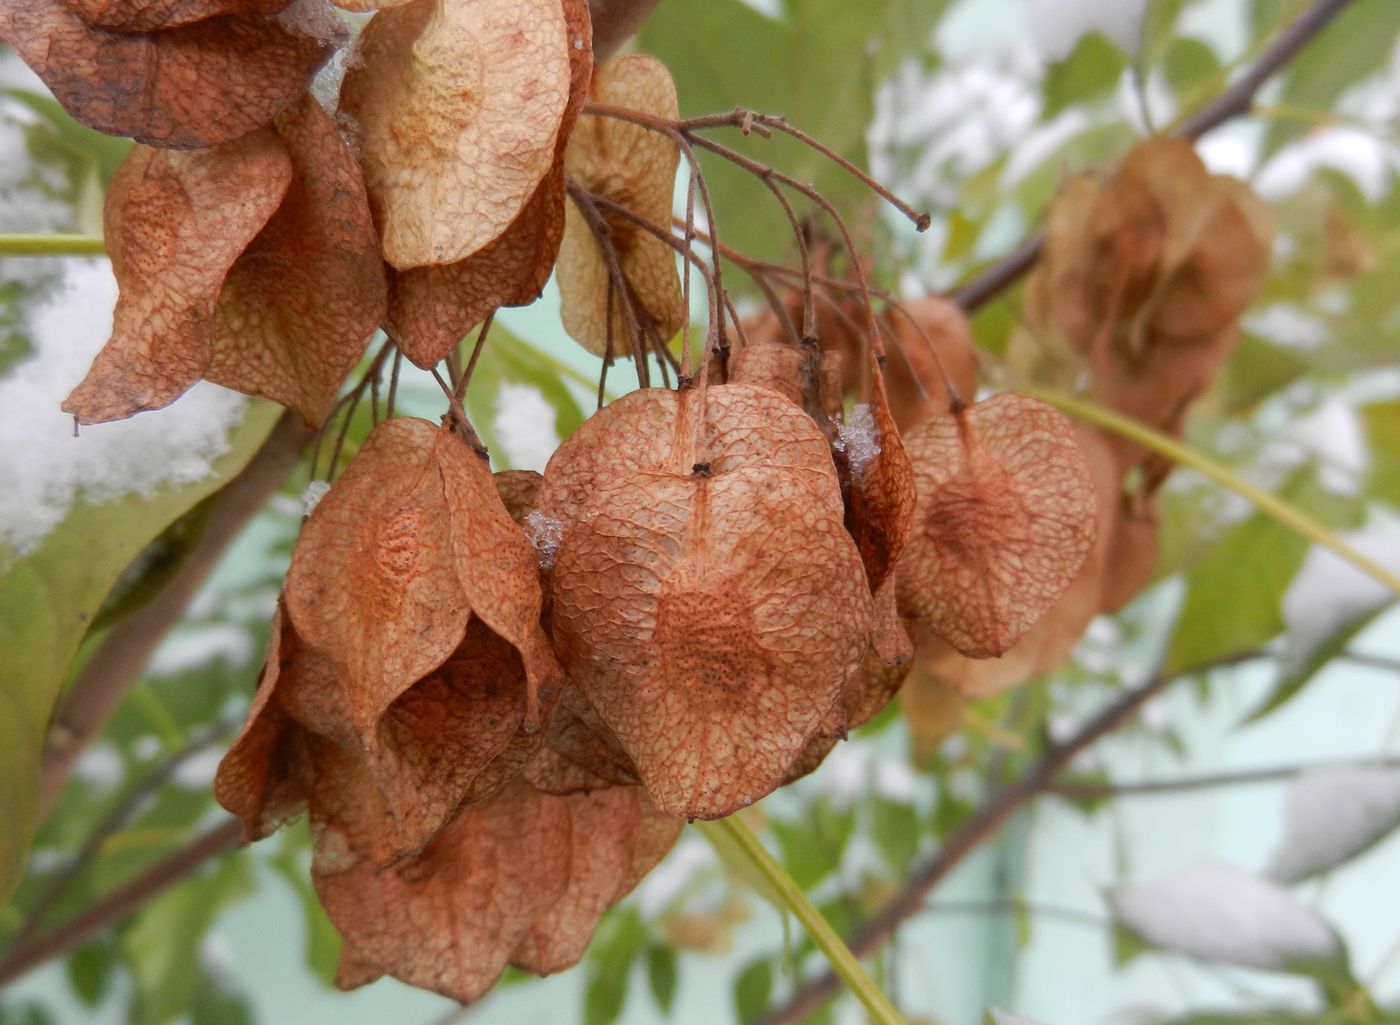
1159,26
752,990
1382,421
162,945
48,600
217,1004
1257,369
804,856
620,939
1090,72
1233,596
323,943
662,977
895,829
90,970
1189,64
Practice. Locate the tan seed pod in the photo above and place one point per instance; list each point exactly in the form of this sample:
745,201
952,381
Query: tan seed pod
580,754
148,15
635,167
706,598
1007,514
410,542
301,302
459,104
882,500
932,348
433,307
193,85
175,224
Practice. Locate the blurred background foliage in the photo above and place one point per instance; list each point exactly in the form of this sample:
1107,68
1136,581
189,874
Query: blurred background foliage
976,110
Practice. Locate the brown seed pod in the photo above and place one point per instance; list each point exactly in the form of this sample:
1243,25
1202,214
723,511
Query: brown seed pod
432,307
410,543
148,15
300,303
635,167
706,598
1007,515
580,754
522,877
882,499
193,85
175,224
266,776
458,106
932,348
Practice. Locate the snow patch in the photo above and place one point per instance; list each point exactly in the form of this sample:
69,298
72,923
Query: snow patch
545,533
524,426
197,771
100,766
311,497
668,880
1333,814
1328,593
198,646
1007,1018
859,438
1223,914
1056,26
45,468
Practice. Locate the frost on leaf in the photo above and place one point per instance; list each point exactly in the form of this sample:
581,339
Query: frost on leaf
1334,814
409,544
635,167
191,85
1007,514
459,106
706,598
520,878
1225,915
432,307
175,223
299,305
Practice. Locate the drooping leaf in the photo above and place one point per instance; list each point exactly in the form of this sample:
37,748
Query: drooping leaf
49,598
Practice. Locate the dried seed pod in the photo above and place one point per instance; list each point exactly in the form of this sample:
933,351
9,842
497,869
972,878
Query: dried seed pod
522,877
882,499
519,490
635,167
148,15
193,85
448,919
409,544
175,224
432,307
458,105
707,600
301,302
580,754
266,776
932,348
1007,515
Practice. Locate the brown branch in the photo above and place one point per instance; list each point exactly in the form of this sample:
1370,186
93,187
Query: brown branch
1236,100
123,901
614,21
1037,780
120,660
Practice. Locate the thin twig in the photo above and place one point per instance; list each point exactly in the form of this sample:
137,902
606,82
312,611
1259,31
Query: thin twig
1244,777
125,900
1035,781
120,814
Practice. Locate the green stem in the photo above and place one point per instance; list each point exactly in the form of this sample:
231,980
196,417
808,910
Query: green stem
51,245
1291,517
882,1012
